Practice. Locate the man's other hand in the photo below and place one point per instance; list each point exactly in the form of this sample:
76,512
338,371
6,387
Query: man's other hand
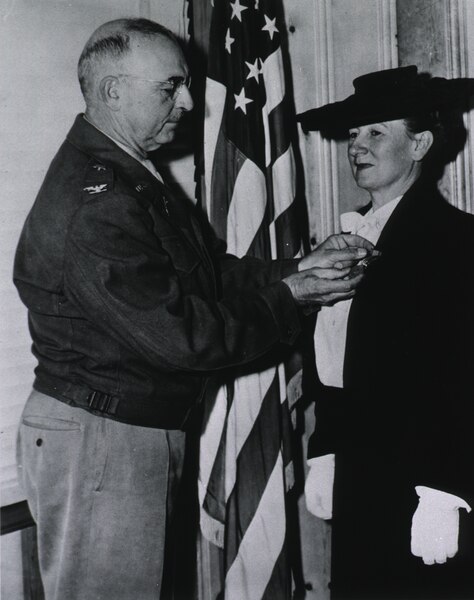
316,287
337,252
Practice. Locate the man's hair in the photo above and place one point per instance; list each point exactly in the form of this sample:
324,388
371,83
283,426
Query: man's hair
112,41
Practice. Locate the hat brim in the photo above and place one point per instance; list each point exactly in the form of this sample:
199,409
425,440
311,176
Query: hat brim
336,118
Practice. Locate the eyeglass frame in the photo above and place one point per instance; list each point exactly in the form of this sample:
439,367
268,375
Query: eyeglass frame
175,87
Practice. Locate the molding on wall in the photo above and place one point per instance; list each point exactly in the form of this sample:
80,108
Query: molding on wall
325,149
387,39
461,172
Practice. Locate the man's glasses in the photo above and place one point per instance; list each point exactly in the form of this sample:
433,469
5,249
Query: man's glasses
173,85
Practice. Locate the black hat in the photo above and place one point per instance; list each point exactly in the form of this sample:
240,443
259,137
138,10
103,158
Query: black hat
388,95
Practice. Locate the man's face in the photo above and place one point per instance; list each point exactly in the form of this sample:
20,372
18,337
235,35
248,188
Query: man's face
381,155
149,113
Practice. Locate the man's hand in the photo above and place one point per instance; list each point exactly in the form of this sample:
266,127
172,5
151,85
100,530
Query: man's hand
337,251
315,287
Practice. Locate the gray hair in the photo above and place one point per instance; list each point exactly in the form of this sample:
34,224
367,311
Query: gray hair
112,41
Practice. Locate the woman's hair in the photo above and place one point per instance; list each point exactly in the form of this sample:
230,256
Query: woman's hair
449,137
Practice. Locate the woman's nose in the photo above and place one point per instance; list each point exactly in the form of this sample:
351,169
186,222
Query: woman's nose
357,146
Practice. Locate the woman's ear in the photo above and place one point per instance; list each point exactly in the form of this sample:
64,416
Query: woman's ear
422,143
109,91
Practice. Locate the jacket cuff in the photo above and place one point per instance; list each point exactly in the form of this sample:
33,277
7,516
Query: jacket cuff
280,301
281,268
440,500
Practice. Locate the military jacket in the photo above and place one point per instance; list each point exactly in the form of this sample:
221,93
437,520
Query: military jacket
132,301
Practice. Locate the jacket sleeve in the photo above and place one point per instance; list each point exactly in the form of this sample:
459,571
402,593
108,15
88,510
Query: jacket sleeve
121,278
243,273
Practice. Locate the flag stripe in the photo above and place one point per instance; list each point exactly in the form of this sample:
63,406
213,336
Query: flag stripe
280,137
274,86
251,391
283,185
242,506
212,128
287,233
244,218
227,159
252,570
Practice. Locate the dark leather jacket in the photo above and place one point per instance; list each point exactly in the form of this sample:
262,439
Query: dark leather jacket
132,301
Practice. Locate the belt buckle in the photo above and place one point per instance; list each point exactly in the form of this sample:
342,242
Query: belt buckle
99,401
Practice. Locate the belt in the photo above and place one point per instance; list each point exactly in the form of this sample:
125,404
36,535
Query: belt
159,414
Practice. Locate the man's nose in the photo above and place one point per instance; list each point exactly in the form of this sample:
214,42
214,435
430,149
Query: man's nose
184,101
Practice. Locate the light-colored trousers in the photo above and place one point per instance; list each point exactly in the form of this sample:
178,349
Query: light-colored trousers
100,492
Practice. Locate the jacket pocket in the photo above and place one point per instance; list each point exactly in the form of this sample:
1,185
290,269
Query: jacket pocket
50,423
182,255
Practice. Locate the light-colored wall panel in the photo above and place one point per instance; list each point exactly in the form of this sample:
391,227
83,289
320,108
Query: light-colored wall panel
465,62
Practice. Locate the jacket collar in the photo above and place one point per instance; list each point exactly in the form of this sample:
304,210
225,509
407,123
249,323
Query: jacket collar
88,139
418,208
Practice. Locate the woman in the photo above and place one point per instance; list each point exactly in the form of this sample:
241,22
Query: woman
395,379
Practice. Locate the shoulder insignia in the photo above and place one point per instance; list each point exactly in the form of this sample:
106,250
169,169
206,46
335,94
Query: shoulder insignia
99,167
96,189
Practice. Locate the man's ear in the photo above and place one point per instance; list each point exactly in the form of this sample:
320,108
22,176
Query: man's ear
423,142
109,92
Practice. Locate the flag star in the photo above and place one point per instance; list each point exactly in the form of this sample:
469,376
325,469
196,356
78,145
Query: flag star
254,69
237,10
241,101
228,41
270,26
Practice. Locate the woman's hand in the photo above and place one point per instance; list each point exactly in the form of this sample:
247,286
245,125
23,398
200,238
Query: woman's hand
435,525
319,486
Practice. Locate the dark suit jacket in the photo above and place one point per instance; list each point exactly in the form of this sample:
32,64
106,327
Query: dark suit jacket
404,416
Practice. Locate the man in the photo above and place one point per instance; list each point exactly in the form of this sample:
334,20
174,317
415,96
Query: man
132,305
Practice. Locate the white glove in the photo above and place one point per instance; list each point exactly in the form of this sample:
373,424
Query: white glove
435,525
319,485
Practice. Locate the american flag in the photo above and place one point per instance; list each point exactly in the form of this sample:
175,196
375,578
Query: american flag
245,466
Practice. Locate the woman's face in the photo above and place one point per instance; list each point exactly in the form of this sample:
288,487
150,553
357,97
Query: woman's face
382,157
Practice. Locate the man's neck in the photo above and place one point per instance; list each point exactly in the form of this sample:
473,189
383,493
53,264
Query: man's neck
107,128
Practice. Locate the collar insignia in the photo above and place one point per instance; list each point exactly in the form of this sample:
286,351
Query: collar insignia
96,189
